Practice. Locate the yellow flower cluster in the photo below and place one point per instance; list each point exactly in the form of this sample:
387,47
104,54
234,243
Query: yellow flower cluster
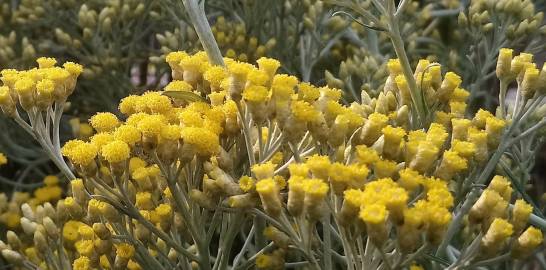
271,147
38,87
491,214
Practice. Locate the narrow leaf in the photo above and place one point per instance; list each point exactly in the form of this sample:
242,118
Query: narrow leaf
184,96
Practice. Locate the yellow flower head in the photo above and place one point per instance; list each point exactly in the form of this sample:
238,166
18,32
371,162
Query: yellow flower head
246,183
104,122
394,67
136,163
170,132
128,134
125,250
393,134
284,81
441,197
464,149
177,85
164,211
82,153
354,197
215,75
298,169
5,97
45,87
46,62
503,63
268,65
116,151
481,117
24,86
375,214
319,166
264,170
85,247
366,155
239,71
257,77
264,261
128,104
174,58
384,168
308,92
316,188
267,186
151,125
530,238
191,64
82,263
205,141
144,200
73,68
256,94
86,232
304,111
521,213
499,230
437,135
154,102
454,161
459,95
70,231
409,179
452,80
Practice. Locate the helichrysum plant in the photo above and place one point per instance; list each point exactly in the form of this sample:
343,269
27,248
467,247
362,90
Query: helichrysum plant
233,165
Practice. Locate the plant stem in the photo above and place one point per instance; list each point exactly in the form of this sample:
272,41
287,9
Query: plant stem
204,32
398,44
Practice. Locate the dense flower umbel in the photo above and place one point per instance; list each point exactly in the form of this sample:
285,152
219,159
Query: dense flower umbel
243,145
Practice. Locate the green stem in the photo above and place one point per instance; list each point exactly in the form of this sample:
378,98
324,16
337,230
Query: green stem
327,243
204,32
398,44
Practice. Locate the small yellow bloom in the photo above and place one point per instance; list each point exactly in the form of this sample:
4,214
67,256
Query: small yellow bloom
104,122
177,85
82,263
527,242
46,62
498,232
205,141
125,251
128,134
246,183
269,195
116,151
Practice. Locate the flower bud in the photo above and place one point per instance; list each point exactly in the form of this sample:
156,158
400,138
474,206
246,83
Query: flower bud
503,64
270,197
13,257
315,192
375,218
498,232
520,214
13,240
527,242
